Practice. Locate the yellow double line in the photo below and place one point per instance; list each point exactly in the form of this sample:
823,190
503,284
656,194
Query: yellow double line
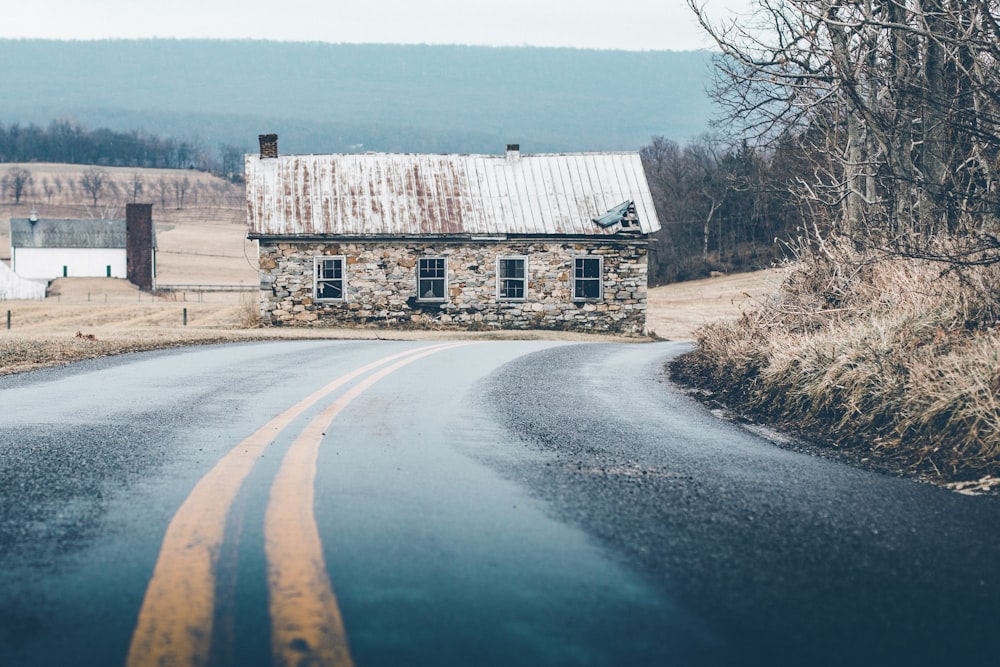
174,627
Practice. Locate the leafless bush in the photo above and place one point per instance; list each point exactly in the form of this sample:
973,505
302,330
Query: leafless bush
895,357
249,315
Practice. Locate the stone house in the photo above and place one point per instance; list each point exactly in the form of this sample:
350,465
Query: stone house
509,241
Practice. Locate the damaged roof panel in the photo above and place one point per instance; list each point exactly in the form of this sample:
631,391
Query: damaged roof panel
382,194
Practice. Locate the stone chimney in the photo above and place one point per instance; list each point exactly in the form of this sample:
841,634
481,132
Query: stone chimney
513,152
140,246
268,145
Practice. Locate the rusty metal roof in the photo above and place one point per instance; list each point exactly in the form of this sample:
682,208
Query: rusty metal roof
382,194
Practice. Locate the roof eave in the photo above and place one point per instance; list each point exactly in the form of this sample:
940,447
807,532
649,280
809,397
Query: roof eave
623,237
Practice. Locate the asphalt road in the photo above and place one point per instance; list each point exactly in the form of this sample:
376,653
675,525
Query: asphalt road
498,503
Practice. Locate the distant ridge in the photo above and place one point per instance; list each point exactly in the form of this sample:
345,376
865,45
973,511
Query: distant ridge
350,97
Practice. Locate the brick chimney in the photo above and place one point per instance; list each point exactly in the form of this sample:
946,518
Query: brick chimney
268,145
513,152
140,246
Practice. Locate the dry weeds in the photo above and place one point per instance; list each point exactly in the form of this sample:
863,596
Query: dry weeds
894,360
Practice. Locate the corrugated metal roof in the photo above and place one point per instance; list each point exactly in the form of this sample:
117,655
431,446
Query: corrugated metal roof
53,233
382,194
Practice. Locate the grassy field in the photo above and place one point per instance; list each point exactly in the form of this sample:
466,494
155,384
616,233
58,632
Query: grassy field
199,218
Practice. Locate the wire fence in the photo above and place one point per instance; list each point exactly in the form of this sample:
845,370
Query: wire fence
223,294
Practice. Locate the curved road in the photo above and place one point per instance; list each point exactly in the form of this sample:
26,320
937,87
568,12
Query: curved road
486,503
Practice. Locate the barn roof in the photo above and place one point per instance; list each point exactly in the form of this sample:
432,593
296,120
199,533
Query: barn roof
63,233
382,194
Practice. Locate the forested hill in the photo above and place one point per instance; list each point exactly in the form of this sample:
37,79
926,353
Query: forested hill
341,97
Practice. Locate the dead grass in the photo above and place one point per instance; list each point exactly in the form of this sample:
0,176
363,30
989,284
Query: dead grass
676,311
122,319
892,359
203,241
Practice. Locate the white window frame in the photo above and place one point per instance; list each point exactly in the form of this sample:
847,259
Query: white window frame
317,263
443,279
523,279
578,279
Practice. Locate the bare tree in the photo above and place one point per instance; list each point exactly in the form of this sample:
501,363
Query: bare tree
181,186
92,181
48,189
18,179
232,160
162,190
896,101
136,185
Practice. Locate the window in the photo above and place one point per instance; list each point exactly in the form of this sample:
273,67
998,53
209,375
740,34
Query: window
512,282
431,278
329,279
587,284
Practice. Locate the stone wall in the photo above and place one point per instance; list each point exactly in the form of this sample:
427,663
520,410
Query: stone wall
381,285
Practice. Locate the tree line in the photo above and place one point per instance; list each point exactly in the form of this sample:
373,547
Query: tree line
104,191
723,206
65,141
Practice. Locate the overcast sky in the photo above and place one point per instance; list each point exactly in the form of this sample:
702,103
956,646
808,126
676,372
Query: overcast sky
614,24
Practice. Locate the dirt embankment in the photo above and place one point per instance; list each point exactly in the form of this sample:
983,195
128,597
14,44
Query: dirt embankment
894,362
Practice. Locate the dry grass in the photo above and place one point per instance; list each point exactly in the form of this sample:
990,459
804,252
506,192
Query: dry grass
892,359
203,242
676,311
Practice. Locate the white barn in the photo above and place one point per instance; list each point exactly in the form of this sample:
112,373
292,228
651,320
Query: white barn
45,249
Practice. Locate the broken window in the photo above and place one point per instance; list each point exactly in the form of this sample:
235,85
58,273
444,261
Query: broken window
329,279
512,281
587,284
431,277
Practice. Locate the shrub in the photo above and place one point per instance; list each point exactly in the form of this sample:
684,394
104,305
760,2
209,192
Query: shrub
896,357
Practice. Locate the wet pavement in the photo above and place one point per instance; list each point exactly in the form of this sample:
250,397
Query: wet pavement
497,503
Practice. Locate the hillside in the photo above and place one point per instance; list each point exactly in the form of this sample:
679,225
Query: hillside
201,235
344,97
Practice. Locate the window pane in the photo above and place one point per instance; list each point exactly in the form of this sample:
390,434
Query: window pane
328,269
587,267
511,268
587,278
330,278
512,289
588,289
432,288
333,289
511,282
431,278
432,268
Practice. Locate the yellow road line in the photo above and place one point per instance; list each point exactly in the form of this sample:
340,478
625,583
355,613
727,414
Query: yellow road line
174,627
306,625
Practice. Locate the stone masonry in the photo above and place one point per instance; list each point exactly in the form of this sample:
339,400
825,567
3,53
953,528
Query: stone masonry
381,285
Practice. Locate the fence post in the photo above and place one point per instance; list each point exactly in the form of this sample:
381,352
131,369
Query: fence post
185,317
8,320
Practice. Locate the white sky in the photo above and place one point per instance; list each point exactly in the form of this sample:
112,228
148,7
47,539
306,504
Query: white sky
613,24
